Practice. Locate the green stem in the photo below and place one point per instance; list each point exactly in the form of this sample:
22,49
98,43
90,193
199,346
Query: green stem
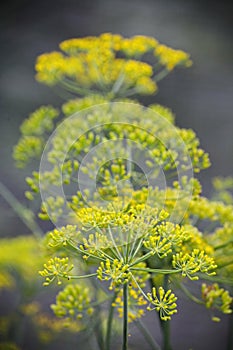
97,327
129,92
190,295
216,279
227,263
134,250
118,83
73,87
26,215
156,271
114,243
145,296
97,320
225,244
162,74
109,324
166,335
125,317
147,335
81,277
84,252
143,258
230,334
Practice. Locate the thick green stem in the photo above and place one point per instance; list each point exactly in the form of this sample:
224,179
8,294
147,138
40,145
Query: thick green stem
109,324
125,317
166,335
98,328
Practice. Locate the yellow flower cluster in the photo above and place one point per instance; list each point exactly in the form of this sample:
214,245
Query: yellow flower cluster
50,67
163,302
216,298
94,63
73,301
223,189
158,245
115,271
190,264
33,130
95,243
117,215
62,237
55,269
28,148
40,121
92,217
138,45
96,68
212,210
166,237
197,240
171,58
75,105
222,244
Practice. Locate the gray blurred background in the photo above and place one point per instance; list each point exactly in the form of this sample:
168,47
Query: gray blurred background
201,96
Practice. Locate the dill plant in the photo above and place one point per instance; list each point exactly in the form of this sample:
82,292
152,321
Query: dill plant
118,181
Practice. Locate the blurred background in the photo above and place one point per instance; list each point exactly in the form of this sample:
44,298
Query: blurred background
201,96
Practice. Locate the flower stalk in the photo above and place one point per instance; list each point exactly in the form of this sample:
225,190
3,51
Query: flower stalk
125,317
109,323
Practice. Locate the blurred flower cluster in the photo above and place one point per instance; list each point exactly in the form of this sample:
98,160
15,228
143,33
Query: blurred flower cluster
20,259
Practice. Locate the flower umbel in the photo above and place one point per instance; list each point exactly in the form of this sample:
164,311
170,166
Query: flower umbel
115,270
216,298
56,268
92,64
73,302
190,264
163,302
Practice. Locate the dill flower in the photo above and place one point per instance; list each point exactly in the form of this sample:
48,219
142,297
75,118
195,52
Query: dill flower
216,298
100,176
171,58
73,301
163,302
92,64
55,269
